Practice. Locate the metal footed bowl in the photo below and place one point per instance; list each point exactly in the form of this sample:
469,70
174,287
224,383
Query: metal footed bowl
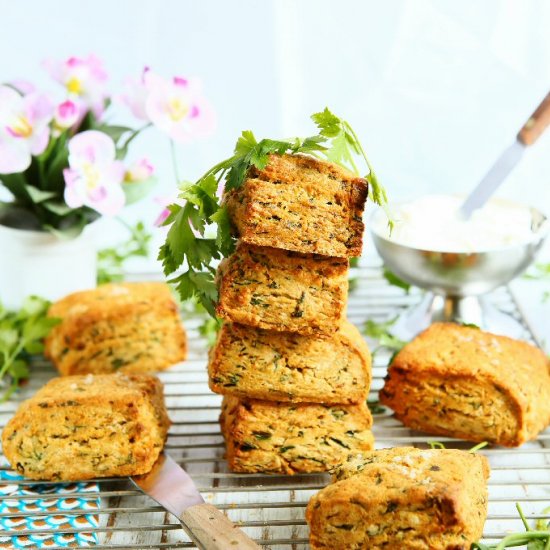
457,281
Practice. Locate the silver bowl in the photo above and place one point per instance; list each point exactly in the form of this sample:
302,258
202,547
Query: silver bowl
457,281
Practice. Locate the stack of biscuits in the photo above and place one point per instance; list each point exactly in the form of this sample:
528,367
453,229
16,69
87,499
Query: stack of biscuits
294,372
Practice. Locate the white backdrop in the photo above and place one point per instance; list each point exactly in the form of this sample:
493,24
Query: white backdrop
435,88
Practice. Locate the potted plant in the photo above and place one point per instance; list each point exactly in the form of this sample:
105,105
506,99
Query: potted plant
62,167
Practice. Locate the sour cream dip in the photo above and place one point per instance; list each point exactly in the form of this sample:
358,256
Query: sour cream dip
433,223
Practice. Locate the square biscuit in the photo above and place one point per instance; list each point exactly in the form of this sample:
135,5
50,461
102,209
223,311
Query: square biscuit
289,367
300,203
281,290
88,426
131,327
265,436
463,382
402,498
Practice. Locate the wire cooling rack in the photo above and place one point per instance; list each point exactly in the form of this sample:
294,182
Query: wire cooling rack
271,508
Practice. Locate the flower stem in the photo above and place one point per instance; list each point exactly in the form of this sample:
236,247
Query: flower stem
174,161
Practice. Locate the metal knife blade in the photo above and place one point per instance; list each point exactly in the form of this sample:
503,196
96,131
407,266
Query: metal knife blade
209,528
170,485
494,177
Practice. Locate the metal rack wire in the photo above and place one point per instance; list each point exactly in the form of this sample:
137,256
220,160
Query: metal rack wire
271,508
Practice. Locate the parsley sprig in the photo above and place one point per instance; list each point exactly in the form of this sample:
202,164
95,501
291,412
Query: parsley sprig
189,243
21,335
535,539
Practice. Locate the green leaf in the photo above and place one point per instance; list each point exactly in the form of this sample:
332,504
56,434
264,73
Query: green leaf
245,143
58,208
16,184
8,338
394,280
37,195
224,241
328,123
113,131
136,190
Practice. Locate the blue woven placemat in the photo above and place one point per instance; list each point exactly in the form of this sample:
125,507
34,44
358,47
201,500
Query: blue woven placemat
47,513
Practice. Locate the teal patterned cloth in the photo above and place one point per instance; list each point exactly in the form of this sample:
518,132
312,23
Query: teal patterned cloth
52,500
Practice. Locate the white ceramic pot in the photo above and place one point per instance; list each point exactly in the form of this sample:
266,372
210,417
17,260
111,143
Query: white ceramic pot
37,262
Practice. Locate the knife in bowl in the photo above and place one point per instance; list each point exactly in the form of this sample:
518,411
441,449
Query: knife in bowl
172,487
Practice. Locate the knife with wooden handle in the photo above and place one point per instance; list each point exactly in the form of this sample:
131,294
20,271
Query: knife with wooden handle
172,487
529,133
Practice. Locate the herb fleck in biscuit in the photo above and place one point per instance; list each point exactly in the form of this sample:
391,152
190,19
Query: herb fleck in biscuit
402,498
281,290
131,327
462,382
288,367
87,426
300,203
264,436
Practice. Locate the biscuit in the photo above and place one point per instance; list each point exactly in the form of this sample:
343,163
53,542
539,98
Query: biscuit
288,367
300,203
402,498
131,327
282,290
264,436
462,382
88,426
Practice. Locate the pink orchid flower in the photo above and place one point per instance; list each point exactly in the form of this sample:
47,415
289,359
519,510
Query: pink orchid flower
135,95
67,114
83,78
139,171
94,177
177,108
24,128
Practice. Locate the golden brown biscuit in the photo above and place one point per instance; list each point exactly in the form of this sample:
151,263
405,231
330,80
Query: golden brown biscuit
301,203
462,382
403,498
131,327
87,426
281,290
287,367
263,436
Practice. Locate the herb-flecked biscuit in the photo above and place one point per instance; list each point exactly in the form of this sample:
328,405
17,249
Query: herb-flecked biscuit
131,327
403,498
288,367
300,203
462,382
283,290
264,436
87,426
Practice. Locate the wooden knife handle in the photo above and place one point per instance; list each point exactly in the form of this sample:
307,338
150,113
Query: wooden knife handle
211,529
536,124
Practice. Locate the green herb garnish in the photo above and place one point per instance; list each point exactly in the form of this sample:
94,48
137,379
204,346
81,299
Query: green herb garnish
21,335
110,261
535,539
381,333
187,243
394,280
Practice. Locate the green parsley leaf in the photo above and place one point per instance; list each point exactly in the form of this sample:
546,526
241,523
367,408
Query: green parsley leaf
21,334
